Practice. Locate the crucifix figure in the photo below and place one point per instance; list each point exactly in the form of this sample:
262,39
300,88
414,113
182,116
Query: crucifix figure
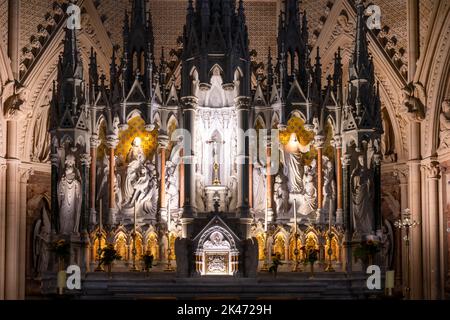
215,141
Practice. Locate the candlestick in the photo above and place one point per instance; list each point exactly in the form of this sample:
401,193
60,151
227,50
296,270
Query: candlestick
169,215
100,237
295,216
100,214
134,234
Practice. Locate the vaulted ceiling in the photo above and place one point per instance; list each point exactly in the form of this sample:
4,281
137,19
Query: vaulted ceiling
169,16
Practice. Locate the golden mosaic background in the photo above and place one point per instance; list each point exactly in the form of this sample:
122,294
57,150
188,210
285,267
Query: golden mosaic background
136,128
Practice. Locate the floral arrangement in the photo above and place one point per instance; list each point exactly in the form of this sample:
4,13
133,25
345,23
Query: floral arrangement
366,249
61,248
311,255
148,260
109,255
276,262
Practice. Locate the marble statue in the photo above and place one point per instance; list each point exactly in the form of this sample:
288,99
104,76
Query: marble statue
387,244
259,188
232,193
295,172
329,187
281,196
172,184
41,237
362,190
69,198
308,204
41,136
151,205
444,123
103,190
387,145
141,185
199,193
135,160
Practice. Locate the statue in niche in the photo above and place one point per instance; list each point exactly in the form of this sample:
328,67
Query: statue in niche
69,198
329,186
362,190
387,143
199,193
444,123
41,237
259,188
232,193
41,136
135,160
151,194
281,196
103,190
387,247
172,184
309,195
295,172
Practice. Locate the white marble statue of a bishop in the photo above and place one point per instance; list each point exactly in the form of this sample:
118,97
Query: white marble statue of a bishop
69,198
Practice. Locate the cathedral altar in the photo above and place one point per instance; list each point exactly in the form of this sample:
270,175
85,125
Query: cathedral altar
205,171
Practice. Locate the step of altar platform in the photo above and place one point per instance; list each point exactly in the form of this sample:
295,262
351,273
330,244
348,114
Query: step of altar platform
161,285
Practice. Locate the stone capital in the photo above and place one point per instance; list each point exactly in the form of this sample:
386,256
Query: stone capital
337,142
54,158
163,141
112,141
95,142
346,160
433,170
243,103
86,160
25,174
189,103
402,173
319,141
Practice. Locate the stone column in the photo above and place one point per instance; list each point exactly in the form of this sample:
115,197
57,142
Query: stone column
243,110
95,143
85,165
400,257
24,177
163,141
415,182
2,229
339,208
250,185
12,231
112,143
319,142
377,192
13,35
54,191
434,232
181,181
189,105
348,219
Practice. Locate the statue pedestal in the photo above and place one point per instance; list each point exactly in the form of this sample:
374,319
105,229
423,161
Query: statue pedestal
216,193
127,216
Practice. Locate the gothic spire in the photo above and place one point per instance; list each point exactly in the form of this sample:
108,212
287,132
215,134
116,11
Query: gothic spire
360,64
138,14
71,60
220,38
138,42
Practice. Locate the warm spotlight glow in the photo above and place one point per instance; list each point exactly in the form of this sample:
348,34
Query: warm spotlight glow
137,142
